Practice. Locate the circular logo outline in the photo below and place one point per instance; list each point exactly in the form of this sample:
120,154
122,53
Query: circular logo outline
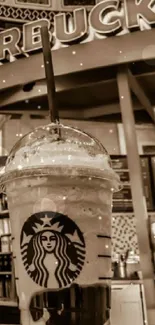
52,249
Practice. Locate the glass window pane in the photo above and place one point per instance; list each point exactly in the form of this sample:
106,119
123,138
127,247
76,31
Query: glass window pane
43,2
79,2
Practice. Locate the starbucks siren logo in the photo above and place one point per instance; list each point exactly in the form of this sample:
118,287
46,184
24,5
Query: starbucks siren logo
52,249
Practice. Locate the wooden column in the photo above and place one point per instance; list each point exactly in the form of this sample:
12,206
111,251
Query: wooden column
139,201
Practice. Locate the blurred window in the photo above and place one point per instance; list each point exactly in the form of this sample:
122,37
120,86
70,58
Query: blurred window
79,2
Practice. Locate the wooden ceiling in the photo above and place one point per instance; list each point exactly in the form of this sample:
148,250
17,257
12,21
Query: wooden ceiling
90,94
89,91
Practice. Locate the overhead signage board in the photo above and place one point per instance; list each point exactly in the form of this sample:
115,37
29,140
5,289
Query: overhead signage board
105,18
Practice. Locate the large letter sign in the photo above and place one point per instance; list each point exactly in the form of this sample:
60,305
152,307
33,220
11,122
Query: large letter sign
136,9
107,17
32,36
9,40
99,11
80,27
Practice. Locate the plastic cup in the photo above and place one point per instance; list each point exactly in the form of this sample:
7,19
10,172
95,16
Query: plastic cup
59,184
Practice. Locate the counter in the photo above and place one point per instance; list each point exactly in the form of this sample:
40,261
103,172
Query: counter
127,298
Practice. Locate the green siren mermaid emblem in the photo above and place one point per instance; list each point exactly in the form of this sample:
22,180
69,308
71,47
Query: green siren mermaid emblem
52,249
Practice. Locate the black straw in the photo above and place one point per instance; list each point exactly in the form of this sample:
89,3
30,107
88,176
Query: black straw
49,73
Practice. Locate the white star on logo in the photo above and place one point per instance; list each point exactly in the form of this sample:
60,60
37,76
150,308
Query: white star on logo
46,220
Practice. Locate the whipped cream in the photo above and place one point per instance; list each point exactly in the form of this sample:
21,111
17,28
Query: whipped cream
56,154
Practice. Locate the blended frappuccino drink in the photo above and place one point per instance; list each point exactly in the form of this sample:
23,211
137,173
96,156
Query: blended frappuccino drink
59,184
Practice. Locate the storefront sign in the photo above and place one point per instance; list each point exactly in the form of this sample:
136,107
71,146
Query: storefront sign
106,18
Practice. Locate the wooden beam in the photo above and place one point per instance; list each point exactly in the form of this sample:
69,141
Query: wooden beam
85,114
140,94
65,83
92,55
25,112
101,110
139,200
64,114
17,95
107,109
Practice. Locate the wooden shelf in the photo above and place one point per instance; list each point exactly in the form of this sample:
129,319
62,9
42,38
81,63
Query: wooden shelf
10,303
130,213
4,212
126,282
121,213
5,273
9,253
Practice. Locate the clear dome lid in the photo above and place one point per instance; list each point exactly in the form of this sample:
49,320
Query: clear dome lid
56,145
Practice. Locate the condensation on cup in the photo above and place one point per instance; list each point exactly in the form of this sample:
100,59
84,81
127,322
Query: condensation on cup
59,184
